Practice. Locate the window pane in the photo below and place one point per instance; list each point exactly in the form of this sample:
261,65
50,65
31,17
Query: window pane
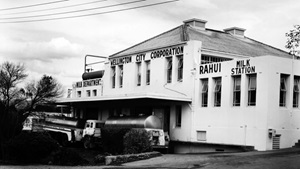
236,90
180,69
148,72
204,94
283,90
283,84
252,82
138,74
169,70
204,86
296,92
217,92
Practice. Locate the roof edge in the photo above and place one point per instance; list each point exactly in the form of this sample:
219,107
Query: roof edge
144,41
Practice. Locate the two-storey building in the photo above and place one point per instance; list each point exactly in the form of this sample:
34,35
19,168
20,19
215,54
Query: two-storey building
213,90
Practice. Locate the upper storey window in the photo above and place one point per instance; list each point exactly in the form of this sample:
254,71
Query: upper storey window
283,90
296,91
217,91
252,90
169,69
236,90
113,77
148,72
121,76
180,69
204,93
138,74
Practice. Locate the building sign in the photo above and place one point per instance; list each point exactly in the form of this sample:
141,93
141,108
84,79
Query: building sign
120,61
87,83
243,67
210,68
178,50
167,52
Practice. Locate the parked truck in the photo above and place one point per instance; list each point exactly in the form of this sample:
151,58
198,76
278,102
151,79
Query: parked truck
88,132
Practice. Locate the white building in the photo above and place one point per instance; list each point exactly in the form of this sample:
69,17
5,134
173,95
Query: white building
213,90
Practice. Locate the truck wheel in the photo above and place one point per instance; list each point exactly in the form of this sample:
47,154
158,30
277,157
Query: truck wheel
64,140
87,143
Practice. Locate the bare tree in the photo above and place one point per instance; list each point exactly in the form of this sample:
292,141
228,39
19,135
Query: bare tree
10,76
293,40
16,104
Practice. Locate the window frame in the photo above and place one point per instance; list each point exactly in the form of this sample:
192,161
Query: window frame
236,92
169,68
121,72
283,90
180,68
88,93
296,92
217,91
113,77
204,92
252,92
138,73
148,72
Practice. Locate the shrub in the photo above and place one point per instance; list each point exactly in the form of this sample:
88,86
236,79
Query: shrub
113,139
29,147
137,141
66,156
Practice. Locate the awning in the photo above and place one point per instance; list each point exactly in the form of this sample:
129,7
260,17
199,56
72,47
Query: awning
125,97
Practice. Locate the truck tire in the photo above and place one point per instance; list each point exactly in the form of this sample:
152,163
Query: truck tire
88,143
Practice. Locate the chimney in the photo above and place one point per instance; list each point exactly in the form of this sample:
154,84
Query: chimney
235,31
196,23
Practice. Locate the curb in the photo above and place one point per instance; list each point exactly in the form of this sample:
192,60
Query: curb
119,159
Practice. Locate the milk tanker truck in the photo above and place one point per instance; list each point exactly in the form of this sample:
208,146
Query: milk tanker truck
71,130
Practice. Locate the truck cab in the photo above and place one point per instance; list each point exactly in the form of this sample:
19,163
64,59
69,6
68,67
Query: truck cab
92,133
93,128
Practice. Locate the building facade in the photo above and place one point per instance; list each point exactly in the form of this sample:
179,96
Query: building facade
213,90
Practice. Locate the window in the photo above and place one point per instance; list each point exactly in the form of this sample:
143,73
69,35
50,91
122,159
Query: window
204,92
113,77
180,69
252,90
296,91
138,73
283,90
121,76
178,116
236,90
169,70
210,59
95,92
201,135
217,92
147,72
88,93
78,93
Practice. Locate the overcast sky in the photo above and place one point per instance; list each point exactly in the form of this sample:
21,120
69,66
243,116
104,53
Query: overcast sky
58,47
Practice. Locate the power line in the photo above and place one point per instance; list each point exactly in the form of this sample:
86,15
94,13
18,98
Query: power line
49,9
92,14
68,12
27,6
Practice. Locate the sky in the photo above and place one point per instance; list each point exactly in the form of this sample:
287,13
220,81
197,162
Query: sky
57,47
